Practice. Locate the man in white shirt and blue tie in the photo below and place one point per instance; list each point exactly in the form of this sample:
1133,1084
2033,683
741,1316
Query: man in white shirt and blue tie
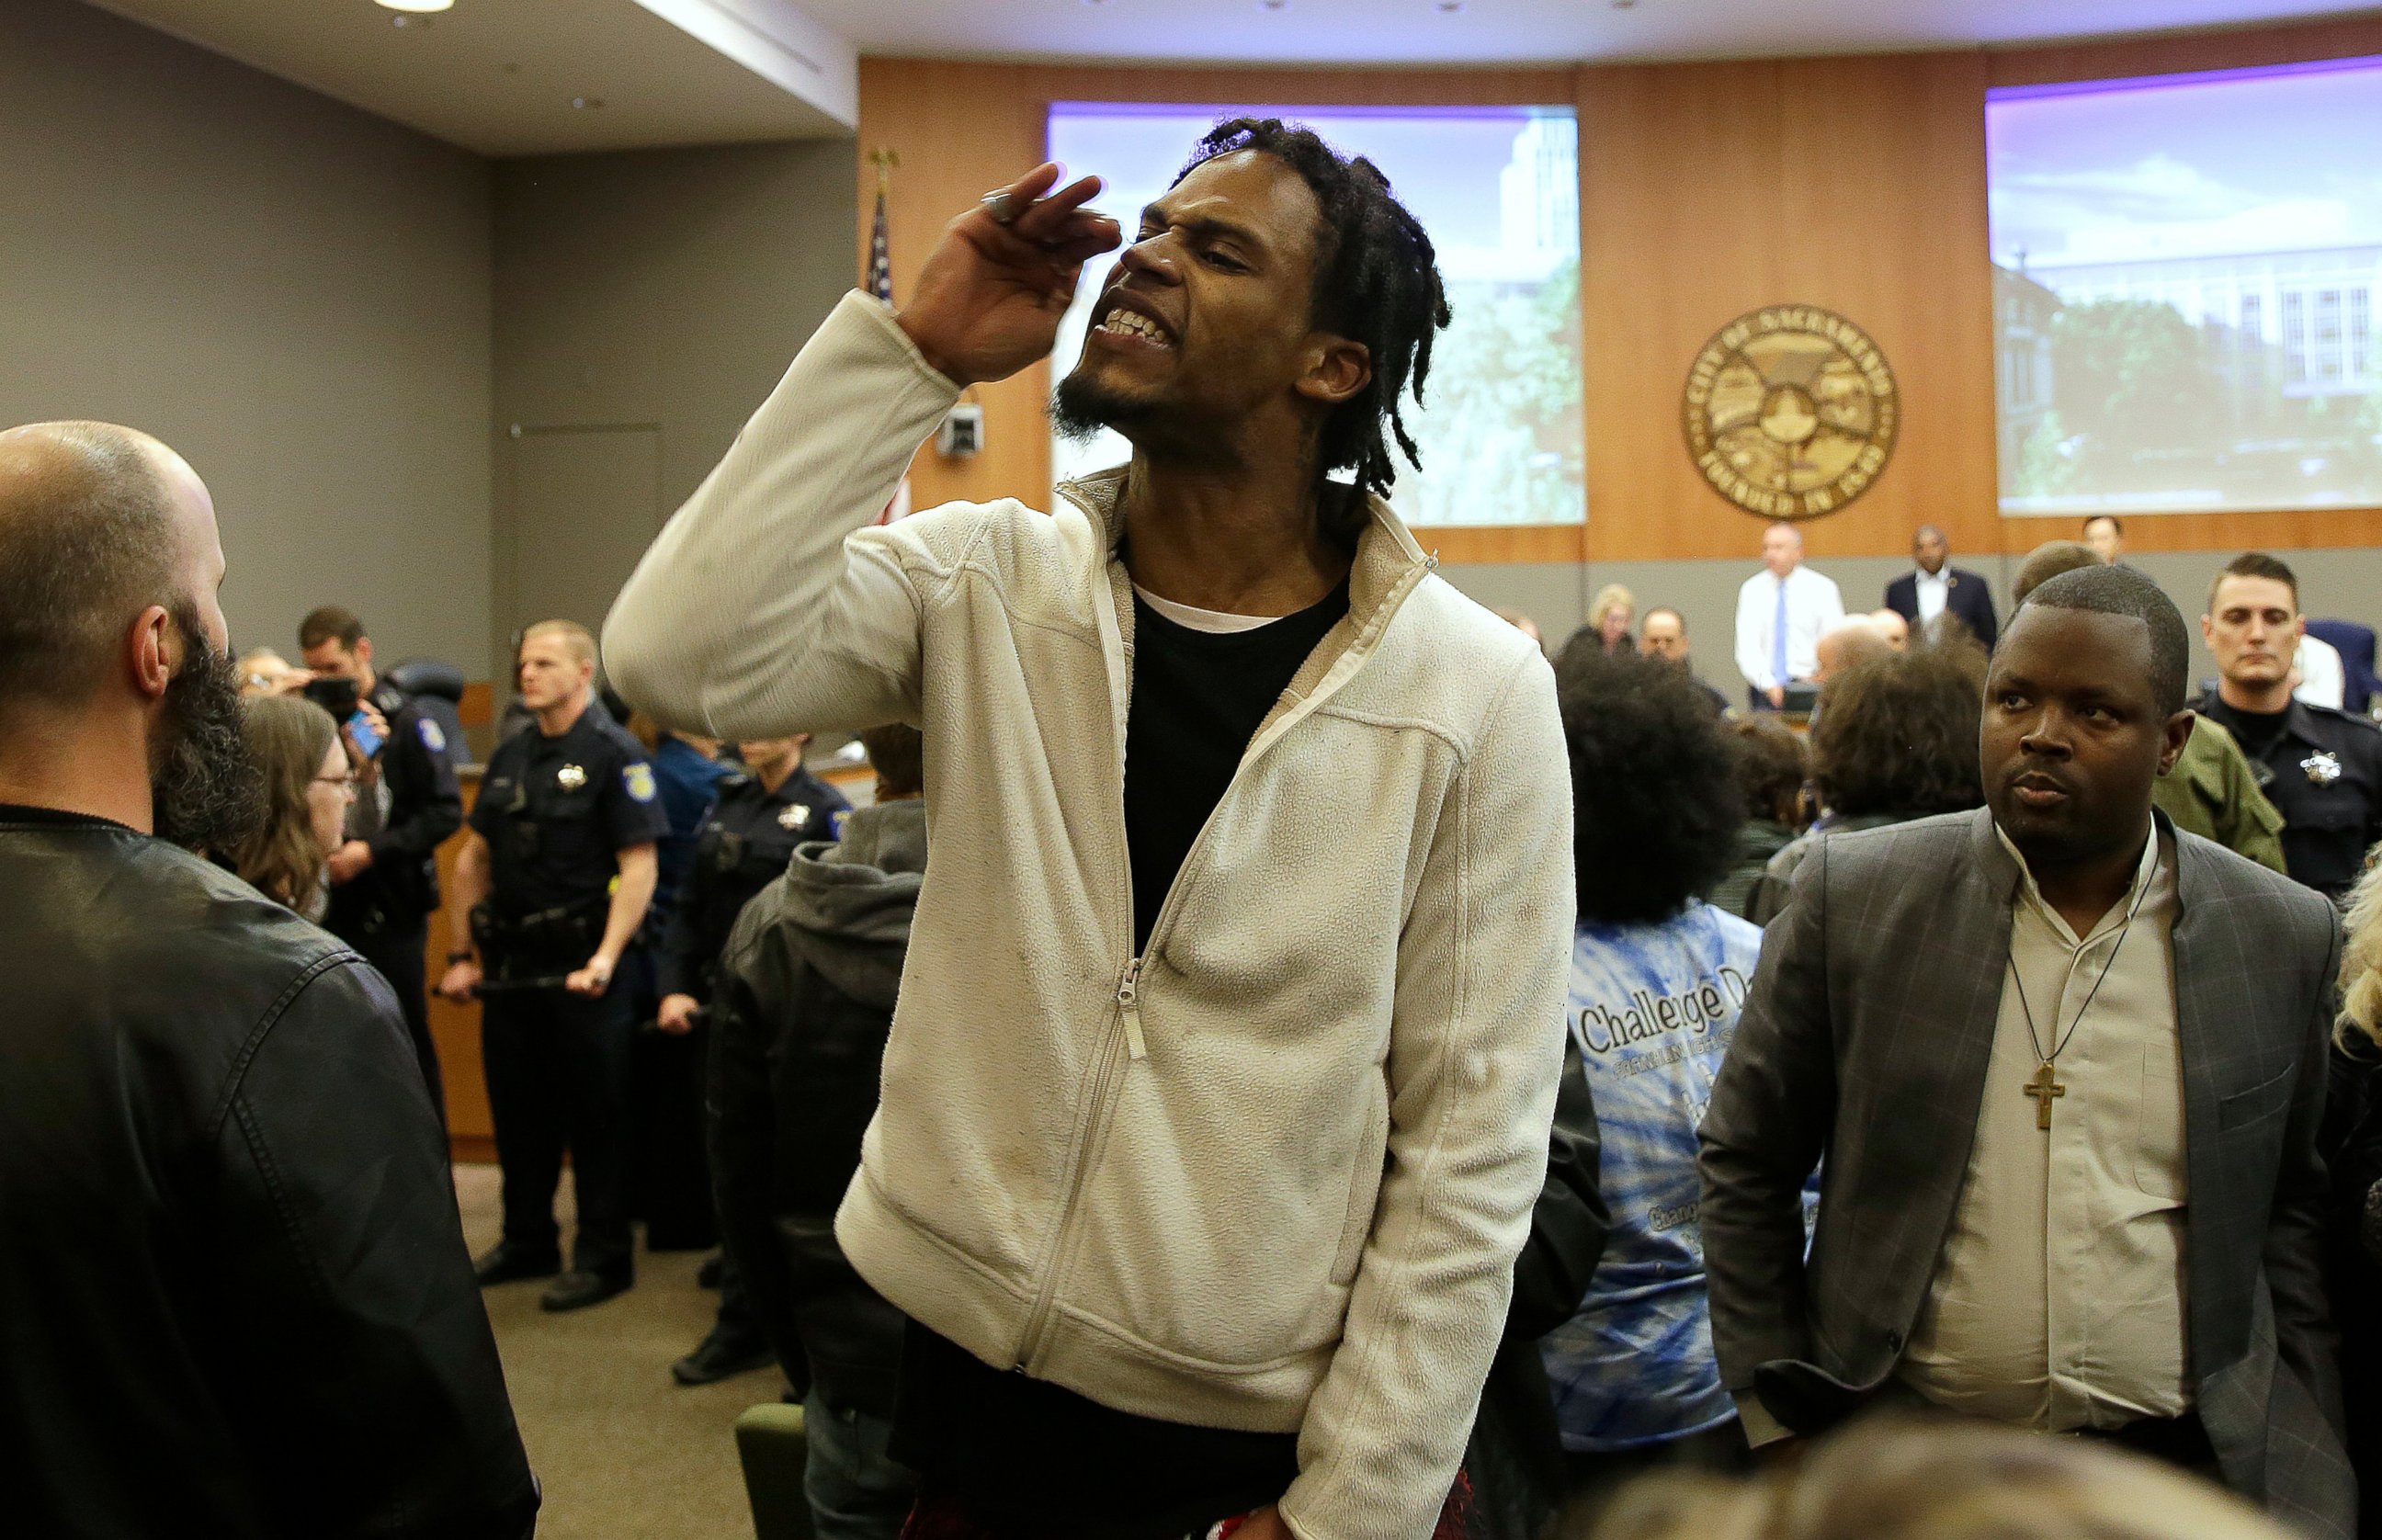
1780,613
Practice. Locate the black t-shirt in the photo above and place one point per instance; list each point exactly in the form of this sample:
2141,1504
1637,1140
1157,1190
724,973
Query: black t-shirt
1024,1452
557,812
1197,698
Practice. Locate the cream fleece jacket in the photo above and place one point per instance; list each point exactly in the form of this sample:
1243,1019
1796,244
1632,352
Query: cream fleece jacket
1272,1173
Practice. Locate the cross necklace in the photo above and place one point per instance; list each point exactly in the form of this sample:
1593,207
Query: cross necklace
2045,1085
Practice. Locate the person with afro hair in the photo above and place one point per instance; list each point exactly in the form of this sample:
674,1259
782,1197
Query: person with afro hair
1657,977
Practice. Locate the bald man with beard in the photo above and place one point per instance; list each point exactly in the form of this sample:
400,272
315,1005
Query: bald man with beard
234,1300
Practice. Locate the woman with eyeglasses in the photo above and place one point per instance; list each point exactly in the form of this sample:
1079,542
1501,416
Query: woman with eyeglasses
308,785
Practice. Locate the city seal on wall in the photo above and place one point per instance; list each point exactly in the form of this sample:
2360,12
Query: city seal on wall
1790,412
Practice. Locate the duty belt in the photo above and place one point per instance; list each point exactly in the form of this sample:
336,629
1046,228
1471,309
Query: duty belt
540,940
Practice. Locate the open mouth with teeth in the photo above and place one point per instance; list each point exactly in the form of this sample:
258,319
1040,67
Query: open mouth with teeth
1132,323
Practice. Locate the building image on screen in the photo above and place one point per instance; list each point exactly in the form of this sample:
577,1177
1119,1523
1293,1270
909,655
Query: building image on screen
2186,271
1498,189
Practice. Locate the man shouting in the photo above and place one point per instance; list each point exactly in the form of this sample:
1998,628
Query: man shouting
1219,1086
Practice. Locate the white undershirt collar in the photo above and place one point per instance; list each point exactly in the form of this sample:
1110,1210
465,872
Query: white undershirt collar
1215,622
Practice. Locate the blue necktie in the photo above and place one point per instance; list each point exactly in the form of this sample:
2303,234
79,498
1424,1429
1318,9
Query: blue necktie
1778,637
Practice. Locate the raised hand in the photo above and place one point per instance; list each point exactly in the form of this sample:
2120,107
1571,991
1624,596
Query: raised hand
990,296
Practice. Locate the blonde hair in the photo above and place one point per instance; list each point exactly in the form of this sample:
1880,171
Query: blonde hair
2361,963
576,639
1911,1479
289,737
1611,596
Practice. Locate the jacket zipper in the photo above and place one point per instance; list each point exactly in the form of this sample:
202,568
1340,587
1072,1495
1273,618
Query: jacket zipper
1128,996
1095,1116
1128,1023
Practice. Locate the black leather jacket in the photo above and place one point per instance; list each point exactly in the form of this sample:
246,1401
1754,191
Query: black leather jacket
234,1297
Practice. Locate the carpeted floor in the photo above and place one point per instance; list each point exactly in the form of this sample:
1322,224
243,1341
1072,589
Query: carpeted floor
625,1452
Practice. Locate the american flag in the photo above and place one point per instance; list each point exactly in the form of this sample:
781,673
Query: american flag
880,256
881,284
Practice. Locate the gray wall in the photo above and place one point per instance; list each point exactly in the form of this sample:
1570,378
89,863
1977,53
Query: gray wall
2341,584
646,303
292,293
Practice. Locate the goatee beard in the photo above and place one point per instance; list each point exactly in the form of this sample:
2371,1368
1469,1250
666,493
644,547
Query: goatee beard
1080,409
204,787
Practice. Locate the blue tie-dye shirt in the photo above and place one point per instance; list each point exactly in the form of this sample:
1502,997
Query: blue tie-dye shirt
1653,1008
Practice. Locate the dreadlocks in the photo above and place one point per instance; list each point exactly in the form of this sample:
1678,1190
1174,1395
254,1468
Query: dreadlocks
1376,282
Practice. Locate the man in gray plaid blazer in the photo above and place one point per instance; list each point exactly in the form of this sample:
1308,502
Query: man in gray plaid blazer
2066,1066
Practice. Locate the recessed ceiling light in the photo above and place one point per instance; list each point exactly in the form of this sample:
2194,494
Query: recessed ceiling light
417,7
586,103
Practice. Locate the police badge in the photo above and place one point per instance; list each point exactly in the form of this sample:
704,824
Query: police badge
2322,768
793,816
571,777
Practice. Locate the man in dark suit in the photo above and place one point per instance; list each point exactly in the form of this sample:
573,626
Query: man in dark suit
1934,590
2066,1065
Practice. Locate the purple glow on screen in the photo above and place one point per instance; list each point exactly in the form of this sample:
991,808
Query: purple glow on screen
2187,290
2186,165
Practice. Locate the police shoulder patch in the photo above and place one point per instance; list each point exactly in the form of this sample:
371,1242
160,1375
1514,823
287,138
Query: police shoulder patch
842,816
432,738
639,778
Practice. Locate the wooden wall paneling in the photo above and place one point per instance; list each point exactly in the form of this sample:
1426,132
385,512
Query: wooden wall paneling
1882,207
1680,187
1712,189
2300,529
960,130
1485,545
470,1129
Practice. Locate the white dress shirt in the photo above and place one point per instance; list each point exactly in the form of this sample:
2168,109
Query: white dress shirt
1934,591
1812,606
2059,1299
2323,680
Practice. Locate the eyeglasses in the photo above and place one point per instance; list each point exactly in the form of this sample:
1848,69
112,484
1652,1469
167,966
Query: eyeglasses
347,784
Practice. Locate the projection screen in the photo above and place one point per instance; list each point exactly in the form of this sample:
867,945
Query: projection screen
2185,275
1498,189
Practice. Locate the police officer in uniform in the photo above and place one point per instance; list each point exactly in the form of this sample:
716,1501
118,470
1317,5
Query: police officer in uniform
741,846
555,879
385,878
2321,768
673,1191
